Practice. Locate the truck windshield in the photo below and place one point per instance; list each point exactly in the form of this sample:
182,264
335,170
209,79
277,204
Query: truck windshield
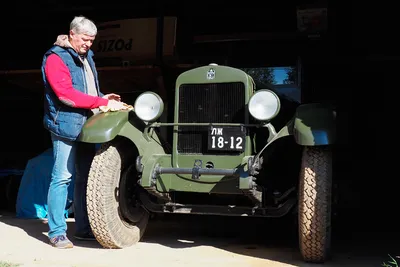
282,80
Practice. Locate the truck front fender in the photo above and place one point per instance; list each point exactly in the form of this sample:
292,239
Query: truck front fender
103,127
314,125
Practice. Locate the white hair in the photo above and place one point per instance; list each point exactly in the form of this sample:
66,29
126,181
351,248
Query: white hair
83,25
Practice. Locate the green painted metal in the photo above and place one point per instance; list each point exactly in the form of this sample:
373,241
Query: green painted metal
145,139
206,184
223,74
314,125
103,127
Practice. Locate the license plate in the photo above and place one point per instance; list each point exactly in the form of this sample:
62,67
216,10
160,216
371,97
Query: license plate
226,138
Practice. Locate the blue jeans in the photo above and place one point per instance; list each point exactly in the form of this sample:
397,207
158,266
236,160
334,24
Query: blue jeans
71,160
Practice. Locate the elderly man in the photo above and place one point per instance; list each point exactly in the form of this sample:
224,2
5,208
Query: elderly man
71,95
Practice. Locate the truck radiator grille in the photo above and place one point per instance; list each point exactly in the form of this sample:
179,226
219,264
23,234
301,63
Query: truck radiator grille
203,103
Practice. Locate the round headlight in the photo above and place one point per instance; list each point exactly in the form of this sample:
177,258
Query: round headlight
264,105
149,106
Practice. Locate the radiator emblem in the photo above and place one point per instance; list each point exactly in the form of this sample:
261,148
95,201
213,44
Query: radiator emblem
211,74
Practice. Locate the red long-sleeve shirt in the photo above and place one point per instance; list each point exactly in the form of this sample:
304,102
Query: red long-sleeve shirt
59,78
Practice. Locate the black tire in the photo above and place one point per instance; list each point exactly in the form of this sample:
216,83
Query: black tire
315,193
116,219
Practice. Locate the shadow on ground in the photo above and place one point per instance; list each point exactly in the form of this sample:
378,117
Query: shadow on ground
275,239
38,229
272,239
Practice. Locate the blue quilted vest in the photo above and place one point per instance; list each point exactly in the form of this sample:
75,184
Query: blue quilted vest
60,119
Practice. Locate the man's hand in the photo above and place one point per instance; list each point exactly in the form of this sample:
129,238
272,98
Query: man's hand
112,96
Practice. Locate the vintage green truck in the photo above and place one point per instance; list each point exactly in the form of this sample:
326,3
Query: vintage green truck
222,143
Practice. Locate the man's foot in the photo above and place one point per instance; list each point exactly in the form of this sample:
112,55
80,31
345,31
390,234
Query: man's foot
61,241
85,236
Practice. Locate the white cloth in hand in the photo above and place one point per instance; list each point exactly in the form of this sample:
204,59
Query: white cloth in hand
115,105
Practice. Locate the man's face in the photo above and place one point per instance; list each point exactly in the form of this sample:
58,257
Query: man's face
81,42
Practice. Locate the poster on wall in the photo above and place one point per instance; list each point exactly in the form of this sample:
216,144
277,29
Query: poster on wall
312,20
134,39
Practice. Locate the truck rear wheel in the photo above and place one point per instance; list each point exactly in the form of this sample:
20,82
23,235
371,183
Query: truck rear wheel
315,204
116,219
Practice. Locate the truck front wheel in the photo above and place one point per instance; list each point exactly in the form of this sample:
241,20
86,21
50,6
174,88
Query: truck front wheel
314,218
116,219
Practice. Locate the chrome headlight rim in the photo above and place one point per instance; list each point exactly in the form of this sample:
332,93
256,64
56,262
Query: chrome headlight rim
141,105
258,94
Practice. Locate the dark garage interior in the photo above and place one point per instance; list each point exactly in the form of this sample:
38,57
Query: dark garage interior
350,63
